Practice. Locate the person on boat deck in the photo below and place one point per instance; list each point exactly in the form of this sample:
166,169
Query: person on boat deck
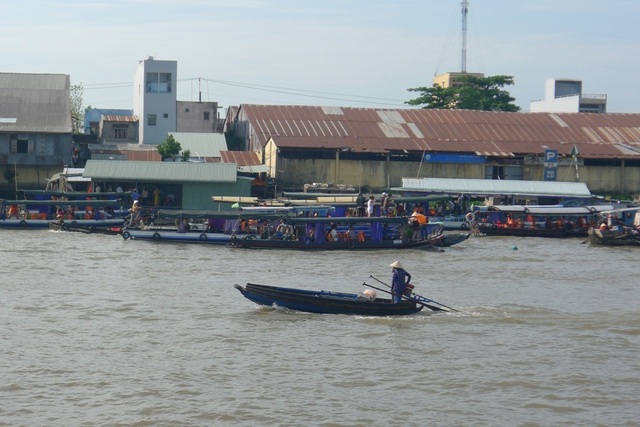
14,212
360,202
400,278
370,204
182,227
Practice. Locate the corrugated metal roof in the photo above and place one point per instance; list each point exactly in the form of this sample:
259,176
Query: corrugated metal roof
35,103
160,171
241,158
486,133
489,187
201,144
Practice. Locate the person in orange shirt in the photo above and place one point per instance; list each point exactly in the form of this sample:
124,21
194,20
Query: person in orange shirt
14,211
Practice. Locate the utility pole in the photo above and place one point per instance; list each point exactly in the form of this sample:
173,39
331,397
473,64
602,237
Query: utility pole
465,10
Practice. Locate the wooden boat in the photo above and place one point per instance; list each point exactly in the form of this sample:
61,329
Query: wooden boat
106,226
37,214
450,239
354,233
538,220
618,236
326,302
172,235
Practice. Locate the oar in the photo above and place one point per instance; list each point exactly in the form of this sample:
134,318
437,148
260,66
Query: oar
425,298
424,304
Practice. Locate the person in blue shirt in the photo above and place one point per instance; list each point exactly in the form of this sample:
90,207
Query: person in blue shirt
399,281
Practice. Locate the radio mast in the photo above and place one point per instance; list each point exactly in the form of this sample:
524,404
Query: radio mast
465,10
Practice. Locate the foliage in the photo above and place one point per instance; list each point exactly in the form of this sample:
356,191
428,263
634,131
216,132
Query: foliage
77,112
186,155
234,142
473,93
169,148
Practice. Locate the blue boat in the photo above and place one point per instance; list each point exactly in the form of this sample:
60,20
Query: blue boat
327,302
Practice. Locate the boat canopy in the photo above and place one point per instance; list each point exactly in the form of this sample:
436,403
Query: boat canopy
550,210
347,220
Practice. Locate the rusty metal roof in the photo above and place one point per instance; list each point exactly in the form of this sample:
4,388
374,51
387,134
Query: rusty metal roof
241,158
484,133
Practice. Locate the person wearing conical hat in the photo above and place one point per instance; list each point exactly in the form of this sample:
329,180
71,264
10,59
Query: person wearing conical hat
399,280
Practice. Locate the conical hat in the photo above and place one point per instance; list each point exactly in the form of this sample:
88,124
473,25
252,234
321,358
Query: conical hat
396,265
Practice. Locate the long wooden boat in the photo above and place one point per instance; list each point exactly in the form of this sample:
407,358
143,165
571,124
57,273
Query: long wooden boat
167,235
326,302
106,226
36,214
619,236
355,233
538,220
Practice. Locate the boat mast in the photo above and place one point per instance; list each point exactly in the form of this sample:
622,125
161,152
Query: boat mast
465,10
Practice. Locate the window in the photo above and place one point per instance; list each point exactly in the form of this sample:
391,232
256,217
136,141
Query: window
166,115
120,132
19,144
151,119
158,83
186,110
206,115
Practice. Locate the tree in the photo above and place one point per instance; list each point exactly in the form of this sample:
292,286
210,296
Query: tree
169,148
77,112
473,93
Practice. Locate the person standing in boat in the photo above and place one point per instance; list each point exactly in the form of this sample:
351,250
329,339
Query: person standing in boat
399,280
360,204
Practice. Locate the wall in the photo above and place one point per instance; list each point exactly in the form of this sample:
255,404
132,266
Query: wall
378,175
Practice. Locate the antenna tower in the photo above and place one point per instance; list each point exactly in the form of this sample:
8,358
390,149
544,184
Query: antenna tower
465,10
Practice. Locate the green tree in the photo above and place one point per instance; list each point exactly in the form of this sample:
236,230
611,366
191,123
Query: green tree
473,93
169,148
77,112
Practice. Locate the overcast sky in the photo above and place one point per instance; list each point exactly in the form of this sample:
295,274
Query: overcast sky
357,53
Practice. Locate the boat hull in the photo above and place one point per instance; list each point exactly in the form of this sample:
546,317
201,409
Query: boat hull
174,236
253,242
325,302
623,236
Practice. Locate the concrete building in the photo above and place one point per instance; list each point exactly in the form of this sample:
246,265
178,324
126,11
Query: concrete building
154,99
565,96
35,129
451,79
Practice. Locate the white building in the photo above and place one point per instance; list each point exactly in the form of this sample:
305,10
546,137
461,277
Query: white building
154,99
565,96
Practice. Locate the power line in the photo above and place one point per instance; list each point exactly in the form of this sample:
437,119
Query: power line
273,89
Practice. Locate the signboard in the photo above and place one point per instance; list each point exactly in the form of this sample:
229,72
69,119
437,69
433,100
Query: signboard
550,164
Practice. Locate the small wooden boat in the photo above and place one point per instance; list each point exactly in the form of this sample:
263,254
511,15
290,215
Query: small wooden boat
619,236
450,239
326,302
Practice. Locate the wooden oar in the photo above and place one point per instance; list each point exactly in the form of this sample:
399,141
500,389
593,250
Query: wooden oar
420,296
424,304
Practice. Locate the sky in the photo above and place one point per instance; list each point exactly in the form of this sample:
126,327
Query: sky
347,53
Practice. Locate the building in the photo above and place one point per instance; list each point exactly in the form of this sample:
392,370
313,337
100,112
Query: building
155,99
185,184
376,148
565,96
35,129
451,79
197,117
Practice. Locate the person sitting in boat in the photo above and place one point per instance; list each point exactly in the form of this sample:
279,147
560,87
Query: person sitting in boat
400,278
14,212
182,227
348,235
332,234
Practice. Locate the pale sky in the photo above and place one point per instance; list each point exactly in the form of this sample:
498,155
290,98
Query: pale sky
351,53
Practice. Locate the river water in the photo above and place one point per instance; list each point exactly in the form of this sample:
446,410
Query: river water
99,331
